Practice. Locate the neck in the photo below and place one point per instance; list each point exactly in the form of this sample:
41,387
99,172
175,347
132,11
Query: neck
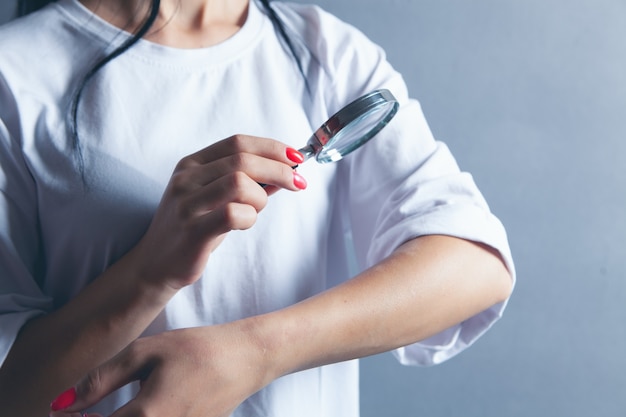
180,23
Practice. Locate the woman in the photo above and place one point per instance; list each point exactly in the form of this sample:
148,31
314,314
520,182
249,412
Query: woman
138,245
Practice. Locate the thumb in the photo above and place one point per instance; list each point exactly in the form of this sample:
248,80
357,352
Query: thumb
98,383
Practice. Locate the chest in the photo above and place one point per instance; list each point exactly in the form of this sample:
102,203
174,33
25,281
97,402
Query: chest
97,200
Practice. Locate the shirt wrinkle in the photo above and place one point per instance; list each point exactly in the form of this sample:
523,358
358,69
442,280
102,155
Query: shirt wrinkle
138,118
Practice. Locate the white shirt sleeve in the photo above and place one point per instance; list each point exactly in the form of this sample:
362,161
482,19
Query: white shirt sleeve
20,297
403,184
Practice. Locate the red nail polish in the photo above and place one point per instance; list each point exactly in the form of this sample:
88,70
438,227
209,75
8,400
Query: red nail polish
299,181
294,156
64,400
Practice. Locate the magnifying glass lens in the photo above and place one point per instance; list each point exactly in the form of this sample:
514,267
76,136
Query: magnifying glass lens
361,128
351,127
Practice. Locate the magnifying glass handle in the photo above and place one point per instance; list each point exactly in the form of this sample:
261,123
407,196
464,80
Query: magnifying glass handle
308,152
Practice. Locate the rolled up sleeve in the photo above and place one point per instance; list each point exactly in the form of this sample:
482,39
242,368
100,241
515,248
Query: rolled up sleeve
404,185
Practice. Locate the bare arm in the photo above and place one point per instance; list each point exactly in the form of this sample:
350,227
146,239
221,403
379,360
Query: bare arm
210,193
53,351
424,287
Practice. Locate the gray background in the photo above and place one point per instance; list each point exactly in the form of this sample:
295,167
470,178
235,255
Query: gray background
531,97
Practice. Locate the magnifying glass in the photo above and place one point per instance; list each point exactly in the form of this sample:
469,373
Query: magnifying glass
351,127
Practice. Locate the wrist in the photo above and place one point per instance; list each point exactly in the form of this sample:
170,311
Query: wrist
265,343
133,288
147,269
279,342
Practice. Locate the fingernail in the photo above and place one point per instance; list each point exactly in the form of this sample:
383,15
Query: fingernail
64,400
299,181
295,156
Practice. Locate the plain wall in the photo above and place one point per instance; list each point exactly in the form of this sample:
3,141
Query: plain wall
531,97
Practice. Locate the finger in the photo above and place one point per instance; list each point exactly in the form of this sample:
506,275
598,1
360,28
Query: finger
232,216
236,187
153,399
129,365
259,168
265,147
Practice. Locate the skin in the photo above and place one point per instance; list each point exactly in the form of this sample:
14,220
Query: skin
424,287
181,23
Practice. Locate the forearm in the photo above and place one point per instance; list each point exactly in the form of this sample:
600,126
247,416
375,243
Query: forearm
425,287
210,193
52,352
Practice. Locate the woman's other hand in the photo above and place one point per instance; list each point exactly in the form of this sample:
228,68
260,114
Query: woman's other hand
201,372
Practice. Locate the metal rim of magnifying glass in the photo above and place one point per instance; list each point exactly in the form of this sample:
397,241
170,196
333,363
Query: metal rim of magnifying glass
347,115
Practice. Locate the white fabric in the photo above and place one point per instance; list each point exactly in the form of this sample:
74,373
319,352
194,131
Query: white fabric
154,105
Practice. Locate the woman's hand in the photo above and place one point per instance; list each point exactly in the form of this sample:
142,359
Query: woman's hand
208,371
210,193
200,372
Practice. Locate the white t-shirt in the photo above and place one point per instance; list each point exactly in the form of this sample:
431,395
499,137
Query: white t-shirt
153,105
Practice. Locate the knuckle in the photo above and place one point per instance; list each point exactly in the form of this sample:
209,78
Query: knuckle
238,216
179,182
239,161
91,384
185,163
237,182
286,172
245,190
238,142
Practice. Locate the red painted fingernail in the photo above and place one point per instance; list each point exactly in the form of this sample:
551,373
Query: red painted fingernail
299,181
295,156
64,400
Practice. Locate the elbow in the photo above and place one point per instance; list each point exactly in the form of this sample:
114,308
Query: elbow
503,287
499,277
